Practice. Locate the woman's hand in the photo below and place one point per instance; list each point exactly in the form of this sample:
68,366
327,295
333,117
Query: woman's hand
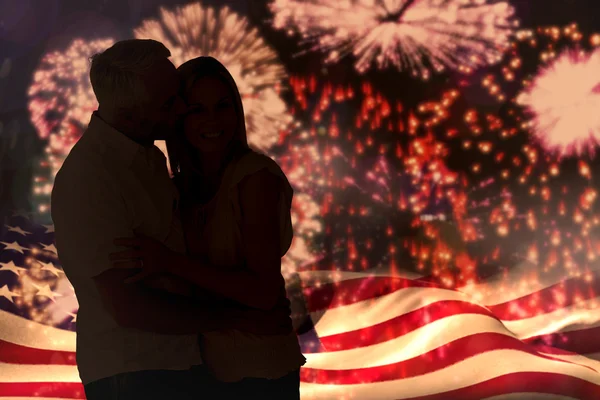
146,253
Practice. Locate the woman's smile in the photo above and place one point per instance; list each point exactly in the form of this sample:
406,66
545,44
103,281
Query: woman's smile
212,135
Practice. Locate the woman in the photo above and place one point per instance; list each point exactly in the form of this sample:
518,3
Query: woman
236,213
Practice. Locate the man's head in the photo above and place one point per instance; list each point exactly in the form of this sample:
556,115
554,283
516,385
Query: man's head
137,88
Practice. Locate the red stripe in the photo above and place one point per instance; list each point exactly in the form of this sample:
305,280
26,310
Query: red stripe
400,325
434,360
522,382
60,390
16,354
583,341
563,294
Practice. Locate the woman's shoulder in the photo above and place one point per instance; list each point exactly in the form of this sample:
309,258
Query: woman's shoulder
253,162
256,159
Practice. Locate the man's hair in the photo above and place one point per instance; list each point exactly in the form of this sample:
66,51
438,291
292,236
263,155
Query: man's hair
116,73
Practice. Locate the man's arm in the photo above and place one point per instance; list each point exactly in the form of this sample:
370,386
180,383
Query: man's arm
89,214
134,306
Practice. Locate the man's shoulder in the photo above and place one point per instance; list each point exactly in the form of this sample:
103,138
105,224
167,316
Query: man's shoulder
83,166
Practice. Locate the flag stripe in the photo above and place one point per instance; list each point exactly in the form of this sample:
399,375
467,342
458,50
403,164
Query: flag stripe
61,390
17,354
389,368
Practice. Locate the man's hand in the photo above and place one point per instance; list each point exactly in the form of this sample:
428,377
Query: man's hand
147,254
273,322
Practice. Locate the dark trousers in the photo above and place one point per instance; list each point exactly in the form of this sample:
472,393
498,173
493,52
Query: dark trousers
285,388
193,384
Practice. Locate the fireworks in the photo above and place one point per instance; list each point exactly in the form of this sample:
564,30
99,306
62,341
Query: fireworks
519,202
419,36
60,94
378,173
61,101
194,30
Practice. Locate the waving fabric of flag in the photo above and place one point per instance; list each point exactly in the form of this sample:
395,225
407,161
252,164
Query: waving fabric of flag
377,335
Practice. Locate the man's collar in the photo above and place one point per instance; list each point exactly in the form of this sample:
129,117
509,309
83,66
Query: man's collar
117,143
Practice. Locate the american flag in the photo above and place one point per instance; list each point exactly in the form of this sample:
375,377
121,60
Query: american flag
377,335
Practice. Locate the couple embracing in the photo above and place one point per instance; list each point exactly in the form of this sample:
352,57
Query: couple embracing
178,278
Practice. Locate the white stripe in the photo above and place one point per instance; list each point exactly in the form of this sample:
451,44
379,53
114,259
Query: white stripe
474,370
38,373
405,347
24,332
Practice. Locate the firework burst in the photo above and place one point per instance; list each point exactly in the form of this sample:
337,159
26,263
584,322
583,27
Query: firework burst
61,100
193,30
418,36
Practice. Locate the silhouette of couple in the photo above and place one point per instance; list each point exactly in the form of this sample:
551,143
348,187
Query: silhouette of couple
178,278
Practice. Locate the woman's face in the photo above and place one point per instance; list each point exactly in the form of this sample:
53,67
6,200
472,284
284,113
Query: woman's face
212,121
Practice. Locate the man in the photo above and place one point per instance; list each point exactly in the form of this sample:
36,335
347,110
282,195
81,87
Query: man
133,342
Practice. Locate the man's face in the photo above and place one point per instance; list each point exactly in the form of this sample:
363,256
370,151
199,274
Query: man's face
164,106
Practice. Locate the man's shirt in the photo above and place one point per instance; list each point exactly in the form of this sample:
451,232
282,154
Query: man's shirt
110,187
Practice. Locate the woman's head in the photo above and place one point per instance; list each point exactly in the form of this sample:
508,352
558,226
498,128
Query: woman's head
214,122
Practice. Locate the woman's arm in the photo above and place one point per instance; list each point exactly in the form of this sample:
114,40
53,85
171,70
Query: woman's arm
260,283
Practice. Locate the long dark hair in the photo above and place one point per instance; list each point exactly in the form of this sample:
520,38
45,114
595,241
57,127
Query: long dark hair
180,151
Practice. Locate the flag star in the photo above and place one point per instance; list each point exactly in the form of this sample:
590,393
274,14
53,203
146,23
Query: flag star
49,247
46,291
74,316
49,267
17,229
14,246
5,292
10,266
49,228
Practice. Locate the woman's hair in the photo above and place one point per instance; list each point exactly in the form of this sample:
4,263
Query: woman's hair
181,152
116,73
